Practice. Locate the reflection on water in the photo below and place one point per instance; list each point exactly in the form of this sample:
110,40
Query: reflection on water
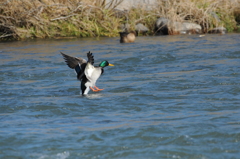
166,97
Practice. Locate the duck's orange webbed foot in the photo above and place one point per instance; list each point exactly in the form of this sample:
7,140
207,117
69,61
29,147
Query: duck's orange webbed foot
98,88
94,90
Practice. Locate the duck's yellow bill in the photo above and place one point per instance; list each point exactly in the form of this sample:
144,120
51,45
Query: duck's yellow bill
110,65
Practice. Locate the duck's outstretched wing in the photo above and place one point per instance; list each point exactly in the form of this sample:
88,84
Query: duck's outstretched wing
76,63
72,62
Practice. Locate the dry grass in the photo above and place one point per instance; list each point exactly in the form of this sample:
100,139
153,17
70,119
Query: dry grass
21,19
207,13
53,18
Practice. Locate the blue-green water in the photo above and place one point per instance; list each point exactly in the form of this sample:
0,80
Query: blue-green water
166,97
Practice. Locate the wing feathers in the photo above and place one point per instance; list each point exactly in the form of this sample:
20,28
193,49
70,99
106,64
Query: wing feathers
90,58
72,62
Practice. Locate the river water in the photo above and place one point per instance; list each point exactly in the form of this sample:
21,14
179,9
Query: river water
166,97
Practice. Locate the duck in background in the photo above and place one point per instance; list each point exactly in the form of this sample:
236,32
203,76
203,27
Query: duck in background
127,37
86,72
202,35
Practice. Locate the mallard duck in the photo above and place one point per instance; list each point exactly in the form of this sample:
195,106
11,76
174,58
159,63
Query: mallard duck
127,37
86,72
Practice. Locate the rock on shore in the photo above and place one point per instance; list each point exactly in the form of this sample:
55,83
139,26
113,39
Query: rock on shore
164,26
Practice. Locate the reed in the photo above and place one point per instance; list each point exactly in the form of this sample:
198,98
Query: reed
207,13
21,19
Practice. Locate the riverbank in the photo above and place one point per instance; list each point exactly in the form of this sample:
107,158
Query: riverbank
61,18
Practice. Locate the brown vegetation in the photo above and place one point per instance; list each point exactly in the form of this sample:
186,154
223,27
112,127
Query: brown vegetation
21,19
207,13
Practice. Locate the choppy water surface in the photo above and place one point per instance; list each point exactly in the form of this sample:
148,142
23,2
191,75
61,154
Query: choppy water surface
166,97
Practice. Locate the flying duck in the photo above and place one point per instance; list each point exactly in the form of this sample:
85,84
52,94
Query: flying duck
86,72
127,37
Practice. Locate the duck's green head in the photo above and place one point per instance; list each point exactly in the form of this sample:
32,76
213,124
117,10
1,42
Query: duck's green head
105,63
